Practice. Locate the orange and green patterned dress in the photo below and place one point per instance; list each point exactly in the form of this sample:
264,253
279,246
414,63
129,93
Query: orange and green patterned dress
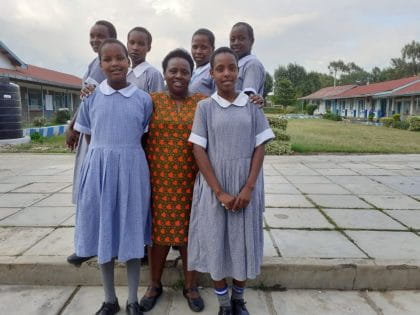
172,167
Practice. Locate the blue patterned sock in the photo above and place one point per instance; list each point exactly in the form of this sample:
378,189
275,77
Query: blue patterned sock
237,293
223,296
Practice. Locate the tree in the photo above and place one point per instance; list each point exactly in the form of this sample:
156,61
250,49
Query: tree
412,51
268,85
295,73
336,67
284,93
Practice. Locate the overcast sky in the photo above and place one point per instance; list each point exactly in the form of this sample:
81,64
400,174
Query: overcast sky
54,33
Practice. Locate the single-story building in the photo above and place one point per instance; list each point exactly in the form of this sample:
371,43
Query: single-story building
43,91
400,96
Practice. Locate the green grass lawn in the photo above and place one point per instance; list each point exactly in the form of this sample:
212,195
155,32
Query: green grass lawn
55,144
320,135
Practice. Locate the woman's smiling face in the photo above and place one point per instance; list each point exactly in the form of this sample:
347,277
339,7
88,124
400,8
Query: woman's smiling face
177,76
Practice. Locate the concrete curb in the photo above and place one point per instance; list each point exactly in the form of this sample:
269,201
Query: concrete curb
278,273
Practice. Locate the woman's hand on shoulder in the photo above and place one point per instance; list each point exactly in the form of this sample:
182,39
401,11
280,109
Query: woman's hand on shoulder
243,199
87,90
226,200
257,100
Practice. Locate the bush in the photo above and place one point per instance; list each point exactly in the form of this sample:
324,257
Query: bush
332,116
387,121
414,122
62,116
371,116
276,147
403,124
396,117
281,135
310,109
277,122
37,137
39,121
273,110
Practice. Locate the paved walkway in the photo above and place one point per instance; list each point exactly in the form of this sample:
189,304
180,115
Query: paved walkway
331,222
48,300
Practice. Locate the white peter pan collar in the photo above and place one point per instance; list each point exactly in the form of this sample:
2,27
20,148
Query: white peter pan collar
106,89
241,100
139,69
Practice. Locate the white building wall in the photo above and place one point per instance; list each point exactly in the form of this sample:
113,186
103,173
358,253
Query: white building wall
5,63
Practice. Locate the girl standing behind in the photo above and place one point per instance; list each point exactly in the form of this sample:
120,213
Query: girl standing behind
251,75
113,202
226,224
202,46
143,74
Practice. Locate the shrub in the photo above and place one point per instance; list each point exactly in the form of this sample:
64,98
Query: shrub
37,137
371,116
277,122
39,121
332,116
387,121
396,117
281,135
62,116
414,122
310,109
403,124
273,110
276,147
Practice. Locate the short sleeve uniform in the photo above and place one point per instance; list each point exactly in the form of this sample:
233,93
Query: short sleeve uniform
146,77
251,77
223,243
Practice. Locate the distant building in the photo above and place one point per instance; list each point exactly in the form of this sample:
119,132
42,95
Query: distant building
43,91
400,96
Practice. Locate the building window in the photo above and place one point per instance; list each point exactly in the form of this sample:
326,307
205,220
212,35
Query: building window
34,98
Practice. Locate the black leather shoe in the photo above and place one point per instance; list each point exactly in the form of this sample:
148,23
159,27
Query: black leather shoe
225,310
147,303
77,260
195,304
133,309
238,307
109,308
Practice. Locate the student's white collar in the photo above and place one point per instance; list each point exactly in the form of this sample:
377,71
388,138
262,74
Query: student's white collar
139,69
243,60
106,89
241,100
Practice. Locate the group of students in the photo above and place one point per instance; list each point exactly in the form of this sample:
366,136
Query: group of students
175,165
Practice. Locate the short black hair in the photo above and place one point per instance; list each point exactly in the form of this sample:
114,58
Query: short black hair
142,30
222,50
111,41
205,32
178,53
112,32
248,27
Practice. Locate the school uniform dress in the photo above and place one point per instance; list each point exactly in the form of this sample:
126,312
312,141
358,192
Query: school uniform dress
221,242
172,167
251,76
113,205
201,81
146,78
93,76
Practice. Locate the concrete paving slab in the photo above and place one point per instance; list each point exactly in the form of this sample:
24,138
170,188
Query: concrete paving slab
310,302
335,171
360,180
363,219
12,200
69,222
371,189
40,300
286,201
5,187
356,166
275,180
281,189
315,244
68,189
409,217
298,172
5,212
296,218
56,200
289,166
41,188
408,172
26,179
405,184
377,172
396,302
307,179
59,242
392,166
269,250
271,172
322,165
339,201
15,240
392,201
39,216
388,245
328,189
43,171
